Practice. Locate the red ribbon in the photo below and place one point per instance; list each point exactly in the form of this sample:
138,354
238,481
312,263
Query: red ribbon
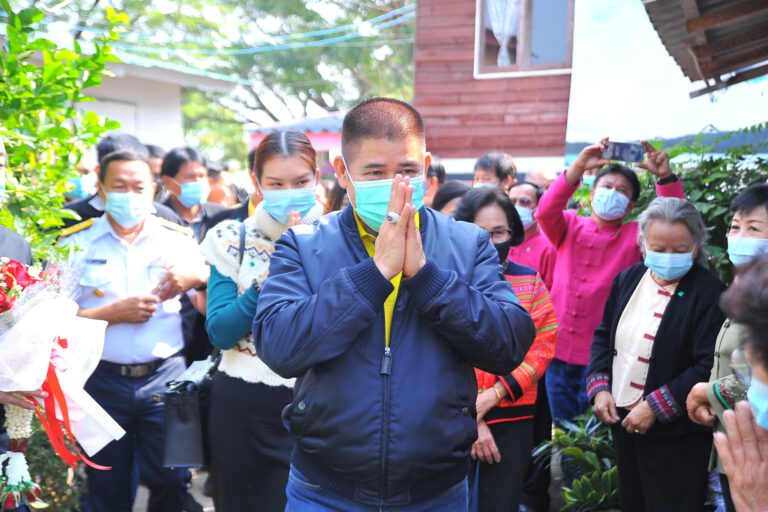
54,427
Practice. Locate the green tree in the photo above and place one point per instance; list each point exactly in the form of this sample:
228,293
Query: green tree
45,132
274,86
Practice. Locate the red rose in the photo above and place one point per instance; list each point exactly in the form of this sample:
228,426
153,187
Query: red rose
6,303
20,273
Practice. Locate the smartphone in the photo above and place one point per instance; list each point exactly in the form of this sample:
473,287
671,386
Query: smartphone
624,152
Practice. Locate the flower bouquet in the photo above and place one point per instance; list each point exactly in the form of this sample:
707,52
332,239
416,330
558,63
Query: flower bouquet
45,346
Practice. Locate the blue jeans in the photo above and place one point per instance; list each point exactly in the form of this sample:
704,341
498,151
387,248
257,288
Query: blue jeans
304,496
566,390
138,454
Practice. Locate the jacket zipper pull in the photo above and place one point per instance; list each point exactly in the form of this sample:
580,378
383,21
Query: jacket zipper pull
386,362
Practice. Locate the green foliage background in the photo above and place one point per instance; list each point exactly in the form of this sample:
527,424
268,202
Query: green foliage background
275,86
44,130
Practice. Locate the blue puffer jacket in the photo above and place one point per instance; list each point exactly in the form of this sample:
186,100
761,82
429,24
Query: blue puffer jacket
396,429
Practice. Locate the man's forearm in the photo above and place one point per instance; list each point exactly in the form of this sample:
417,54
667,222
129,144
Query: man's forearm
105,313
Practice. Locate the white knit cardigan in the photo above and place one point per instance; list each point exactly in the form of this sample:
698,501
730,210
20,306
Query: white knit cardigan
221,248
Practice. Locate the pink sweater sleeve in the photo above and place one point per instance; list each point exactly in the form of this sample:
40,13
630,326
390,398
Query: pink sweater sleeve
550,214
674,189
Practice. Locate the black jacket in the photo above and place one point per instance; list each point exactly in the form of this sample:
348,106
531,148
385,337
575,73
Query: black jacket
86,210
209,210
238,213
684,346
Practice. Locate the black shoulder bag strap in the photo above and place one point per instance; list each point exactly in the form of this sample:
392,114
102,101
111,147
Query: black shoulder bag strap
241,249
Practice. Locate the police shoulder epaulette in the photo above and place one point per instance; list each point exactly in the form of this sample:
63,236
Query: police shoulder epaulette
71,230
176,227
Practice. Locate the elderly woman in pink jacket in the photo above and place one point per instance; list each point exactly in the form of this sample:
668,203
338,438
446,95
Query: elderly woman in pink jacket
591,251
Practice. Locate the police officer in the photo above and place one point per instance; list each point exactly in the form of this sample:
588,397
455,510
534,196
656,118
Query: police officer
136,266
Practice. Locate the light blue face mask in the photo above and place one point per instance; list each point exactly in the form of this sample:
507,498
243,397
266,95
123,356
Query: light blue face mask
757,396
280,203
82,186
372,198
589,180
127,208
526,216
742,249
608,204
669,266
193,193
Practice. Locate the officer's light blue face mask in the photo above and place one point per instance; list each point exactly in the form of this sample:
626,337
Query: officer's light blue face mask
372,198
280,203
193,193
609,204
128,209
589,180
82,186
757,395
669,266
742,249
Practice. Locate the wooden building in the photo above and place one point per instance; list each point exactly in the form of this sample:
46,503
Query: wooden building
476,97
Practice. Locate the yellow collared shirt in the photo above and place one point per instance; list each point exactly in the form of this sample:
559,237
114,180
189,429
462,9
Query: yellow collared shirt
369,241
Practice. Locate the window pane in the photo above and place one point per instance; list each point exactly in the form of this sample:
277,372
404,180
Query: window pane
549,32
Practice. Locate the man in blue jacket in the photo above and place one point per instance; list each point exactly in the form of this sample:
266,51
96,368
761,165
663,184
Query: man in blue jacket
381,311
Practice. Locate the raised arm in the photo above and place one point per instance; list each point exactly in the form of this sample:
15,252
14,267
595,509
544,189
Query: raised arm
550,212
657,163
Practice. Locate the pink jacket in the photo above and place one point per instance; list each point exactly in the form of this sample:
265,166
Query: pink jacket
539,254
588,259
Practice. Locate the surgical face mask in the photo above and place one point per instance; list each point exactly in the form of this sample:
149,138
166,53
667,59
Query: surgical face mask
588,180
280,203
193,193
503,250
526,216
372,198
83,186
757,395
669,266
742,249
485,185
608,204
128,209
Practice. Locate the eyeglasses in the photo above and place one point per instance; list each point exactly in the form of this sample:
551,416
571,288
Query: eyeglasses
501,235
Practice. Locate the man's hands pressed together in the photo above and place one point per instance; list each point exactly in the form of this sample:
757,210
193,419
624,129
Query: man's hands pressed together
398,245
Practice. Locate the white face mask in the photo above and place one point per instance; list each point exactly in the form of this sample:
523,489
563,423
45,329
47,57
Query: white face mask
742,249
526,216
609,204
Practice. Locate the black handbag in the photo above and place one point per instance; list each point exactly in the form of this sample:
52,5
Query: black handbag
187,402
182,428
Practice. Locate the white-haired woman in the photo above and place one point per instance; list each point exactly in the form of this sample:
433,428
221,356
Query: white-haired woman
656,340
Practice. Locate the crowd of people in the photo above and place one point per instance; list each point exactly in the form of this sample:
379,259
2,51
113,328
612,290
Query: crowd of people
399,341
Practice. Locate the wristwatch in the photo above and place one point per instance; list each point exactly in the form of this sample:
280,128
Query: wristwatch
669,179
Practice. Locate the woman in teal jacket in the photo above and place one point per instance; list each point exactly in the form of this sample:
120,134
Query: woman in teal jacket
250,448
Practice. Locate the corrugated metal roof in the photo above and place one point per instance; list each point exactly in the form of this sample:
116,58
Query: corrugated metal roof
716,25
667,18
330,123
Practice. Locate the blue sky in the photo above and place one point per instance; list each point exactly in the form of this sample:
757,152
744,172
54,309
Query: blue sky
627,86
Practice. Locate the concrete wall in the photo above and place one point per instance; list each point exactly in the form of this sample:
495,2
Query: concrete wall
145,108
